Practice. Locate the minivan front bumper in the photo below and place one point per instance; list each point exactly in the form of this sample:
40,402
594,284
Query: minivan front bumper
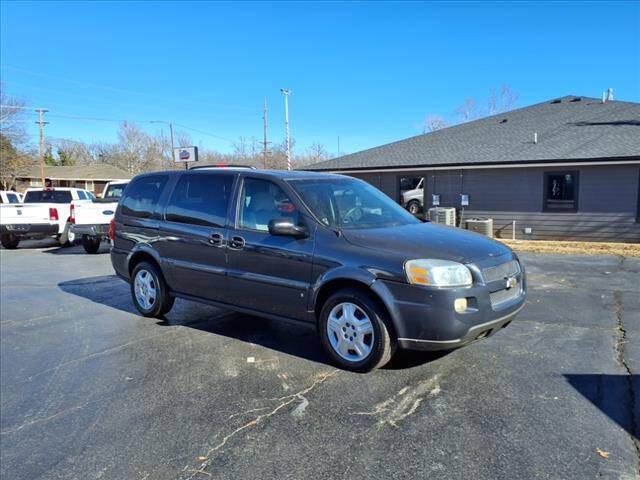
477,332
424,318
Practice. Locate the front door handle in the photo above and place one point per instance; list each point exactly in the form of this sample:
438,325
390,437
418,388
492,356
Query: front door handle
216,239
237,243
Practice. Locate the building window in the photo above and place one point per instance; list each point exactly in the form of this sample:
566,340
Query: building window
560,192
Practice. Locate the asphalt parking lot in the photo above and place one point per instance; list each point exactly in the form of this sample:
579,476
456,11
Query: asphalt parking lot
91,390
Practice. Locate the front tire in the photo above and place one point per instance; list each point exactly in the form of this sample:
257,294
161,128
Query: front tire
414,207
9,241
355,331
90,244
149,291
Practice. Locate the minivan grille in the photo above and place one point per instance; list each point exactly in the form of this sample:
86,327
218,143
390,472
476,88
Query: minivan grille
501,271
506,295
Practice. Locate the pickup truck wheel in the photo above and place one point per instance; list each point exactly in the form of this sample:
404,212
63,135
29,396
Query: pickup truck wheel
90,244
413,207
149,291
67,237
354,331
9,241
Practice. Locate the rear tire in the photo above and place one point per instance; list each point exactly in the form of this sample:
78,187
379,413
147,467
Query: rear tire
90,244
9,241
67,237
355,330
149,291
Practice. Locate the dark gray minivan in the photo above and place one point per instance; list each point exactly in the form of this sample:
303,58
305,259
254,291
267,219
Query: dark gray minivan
328,251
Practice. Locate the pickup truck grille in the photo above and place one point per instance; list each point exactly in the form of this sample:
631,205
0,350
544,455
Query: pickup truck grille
499,272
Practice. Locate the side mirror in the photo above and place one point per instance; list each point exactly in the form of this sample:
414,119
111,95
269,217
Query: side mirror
285,227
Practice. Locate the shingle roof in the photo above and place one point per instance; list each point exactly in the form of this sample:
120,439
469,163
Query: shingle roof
568,128
78,172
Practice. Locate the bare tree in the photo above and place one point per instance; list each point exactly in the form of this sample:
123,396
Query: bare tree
508,98
12,117
492,103
137,151
467,111
12,139
432,123
316,153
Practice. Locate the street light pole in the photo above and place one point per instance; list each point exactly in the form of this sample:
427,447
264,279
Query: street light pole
286,92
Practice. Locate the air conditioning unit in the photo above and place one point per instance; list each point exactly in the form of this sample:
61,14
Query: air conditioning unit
480,225
445,215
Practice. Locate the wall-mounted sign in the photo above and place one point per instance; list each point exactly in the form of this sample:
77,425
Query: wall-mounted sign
185,154
435,200
464,200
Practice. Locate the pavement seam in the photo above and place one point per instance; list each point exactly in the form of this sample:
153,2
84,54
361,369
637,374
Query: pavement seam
620,340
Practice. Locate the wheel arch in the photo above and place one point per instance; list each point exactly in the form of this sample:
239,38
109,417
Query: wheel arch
143,254
333,285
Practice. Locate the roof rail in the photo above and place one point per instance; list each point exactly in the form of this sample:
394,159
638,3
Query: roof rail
222,165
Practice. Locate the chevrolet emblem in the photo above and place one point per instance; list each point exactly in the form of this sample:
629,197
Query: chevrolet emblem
511,282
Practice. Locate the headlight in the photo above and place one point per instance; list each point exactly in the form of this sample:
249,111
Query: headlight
437,273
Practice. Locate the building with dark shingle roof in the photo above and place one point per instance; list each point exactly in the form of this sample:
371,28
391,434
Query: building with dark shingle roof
568,168
88,177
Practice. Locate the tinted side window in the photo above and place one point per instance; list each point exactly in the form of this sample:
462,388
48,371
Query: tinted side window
200,199
142,196
81,195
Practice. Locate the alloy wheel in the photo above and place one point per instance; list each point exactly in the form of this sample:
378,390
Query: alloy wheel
145,289
350,332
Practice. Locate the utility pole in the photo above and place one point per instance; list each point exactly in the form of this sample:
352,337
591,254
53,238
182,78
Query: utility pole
286,92
170,136
338,145
41,111
264,143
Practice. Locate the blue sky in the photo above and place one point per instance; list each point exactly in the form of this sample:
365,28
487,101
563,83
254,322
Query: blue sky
367,72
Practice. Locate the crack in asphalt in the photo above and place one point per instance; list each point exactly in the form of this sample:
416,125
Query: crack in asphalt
285,401
620,340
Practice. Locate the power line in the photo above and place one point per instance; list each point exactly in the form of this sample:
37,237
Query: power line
119,120
120,90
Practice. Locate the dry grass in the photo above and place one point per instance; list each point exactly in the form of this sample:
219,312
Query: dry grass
582,248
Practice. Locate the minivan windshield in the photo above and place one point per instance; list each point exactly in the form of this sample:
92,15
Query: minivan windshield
350,203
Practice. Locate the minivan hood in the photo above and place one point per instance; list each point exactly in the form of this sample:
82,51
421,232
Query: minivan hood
428,240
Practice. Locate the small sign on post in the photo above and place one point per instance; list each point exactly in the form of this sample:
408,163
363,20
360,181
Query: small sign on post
185,155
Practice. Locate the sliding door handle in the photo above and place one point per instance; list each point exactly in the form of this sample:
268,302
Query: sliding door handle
236,243
216,239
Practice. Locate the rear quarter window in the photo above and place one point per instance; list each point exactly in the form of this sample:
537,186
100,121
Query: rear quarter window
200,199
142,194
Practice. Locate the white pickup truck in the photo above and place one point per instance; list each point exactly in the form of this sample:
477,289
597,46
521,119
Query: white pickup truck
43,213
91,220
10,197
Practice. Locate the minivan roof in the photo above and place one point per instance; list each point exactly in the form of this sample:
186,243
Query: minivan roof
281,174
